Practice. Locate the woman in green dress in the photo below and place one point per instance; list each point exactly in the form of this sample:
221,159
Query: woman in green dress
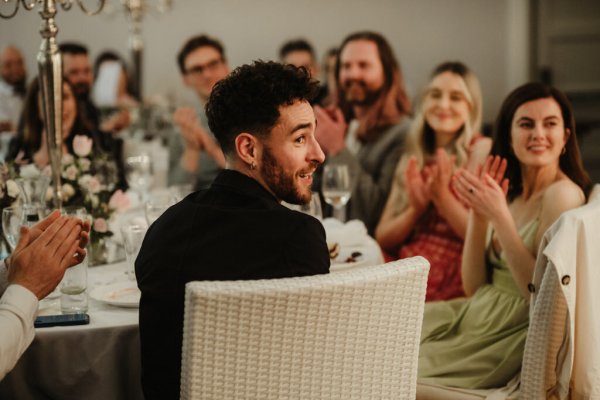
536,174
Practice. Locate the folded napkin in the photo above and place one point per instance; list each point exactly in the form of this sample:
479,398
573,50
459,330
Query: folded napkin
352,233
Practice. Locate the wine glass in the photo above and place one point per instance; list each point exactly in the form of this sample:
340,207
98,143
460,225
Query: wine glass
12,219
337,188
140,174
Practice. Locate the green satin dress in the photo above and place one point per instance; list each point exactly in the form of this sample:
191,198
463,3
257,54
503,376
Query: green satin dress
478,342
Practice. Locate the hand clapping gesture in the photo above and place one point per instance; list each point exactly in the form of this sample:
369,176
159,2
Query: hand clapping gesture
331,130
193,134
484,192
419,195
439,177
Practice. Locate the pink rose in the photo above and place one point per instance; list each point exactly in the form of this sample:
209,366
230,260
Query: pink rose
70,173
119,201
82,145
100,225
94,185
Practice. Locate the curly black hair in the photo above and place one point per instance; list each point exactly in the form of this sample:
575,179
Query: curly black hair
248,100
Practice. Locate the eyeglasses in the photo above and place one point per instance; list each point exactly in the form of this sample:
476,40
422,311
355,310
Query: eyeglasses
201,68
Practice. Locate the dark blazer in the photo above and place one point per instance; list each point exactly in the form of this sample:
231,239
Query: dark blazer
233,230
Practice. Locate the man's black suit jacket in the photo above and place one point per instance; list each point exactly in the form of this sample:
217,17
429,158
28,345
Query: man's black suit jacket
233,230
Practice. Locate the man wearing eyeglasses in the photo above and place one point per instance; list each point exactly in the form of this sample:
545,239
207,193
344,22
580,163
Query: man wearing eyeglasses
195,155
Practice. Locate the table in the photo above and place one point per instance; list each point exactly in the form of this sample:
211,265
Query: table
96,361
102,360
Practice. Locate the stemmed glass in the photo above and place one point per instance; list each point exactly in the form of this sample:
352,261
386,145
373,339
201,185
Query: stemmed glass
140,174
337,188
12,219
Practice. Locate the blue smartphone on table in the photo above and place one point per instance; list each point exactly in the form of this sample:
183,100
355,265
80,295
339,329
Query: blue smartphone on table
45,321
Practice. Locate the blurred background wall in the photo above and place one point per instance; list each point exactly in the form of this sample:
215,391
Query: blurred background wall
491,36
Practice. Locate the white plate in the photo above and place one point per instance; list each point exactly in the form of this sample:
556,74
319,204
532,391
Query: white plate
120,294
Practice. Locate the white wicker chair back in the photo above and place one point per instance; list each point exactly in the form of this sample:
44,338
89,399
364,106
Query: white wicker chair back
350,335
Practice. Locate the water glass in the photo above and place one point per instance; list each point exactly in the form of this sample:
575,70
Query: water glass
133,236
180,191
12,219
337,188
158,204
140,174
313,207
73,295
33,190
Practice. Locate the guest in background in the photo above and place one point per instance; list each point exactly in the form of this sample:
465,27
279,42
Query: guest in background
237,228
300,53
34,269
77,69
195,155
30,144
329,65
111,82
478,342
12,88
371,96
422,215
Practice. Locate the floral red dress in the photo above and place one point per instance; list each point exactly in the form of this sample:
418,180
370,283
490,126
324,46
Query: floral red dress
434,239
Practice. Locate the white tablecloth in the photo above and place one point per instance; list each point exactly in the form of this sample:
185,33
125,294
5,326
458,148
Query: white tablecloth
102,360
96,361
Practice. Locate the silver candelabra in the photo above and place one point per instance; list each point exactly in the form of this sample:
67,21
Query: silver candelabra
50,75
135,11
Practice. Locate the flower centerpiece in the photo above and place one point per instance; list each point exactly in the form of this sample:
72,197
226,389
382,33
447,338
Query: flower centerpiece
9,190
88,180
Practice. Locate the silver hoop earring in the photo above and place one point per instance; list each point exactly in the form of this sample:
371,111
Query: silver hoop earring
252,165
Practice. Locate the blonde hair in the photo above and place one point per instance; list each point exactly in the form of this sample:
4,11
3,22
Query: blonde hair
420,141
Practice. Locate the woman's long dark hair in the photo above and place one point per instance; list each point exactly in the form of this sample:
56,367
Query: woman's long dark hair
33,125
570,161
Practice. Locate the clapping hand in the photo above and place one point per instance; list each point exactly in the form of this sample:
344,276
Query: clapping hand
484,192
440,175
331,130
193,134
419,196
46,250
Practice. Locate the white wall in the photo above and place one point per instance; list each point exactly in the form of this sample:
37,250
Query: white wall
488,35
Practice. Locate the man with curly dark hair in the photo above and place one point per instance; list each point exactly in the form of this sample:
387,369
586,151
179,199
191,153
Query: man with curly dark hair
237,228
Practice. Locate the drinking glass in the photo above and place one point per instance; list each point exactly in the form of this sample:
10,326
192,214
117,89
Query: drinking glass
180,191
140,174
34,189
337,188
313,207
73,296
12,219
158,204
133,236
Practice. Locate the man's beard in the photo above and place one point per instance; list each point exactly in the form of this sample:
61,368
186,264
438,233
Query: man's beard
357,93
280,183
20,87
81,90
